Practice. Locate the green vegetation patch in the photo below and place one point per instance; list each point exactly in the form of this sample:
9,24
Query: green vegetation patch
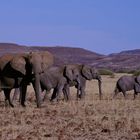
106,72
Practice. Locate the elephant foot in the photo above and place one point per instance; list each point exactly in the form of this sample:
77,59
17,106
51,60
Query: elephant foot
38,106
23,104
7,103
54,101
80,96
12,105
66,99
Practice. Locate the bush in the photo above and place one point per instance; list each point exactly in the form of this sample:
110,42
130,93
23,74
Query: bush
123,71
132,71
136,73
106,72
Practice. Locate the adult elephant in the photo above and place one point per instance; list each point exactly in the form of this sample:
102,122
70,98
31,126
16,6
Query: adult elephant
21,68
9,77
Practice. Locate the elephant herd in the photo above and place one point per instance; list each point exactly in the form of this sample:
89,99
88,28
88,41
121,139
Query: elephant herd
19,70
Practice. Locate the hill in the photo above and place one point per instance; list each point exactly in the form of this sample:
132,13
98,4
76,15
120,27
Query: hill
12,48
65,55
125,60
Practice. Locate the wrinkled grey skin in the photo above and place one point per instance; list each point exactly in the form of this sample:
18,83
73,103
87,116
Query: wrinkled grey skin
127,83
55,78
16,71
80,73
83,73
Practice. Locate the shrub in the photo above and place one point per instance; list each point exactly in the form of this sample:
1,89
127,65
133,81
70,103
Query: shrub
123,71
106,72
136,73
132,71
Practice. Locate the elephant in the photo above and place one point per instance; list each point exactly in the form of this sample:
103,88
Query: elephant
127,83
83,73
17,70
76,75
10,78
55,78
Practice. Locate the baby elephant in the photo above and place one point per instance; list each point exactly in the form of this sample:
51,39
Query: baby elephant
127,83
55,78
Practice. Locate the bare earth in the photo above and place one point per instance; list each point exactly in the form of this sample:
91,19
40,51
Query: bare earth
88,119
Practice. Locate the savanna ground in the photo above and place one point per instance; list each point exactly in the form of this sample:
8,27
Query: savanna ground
88,119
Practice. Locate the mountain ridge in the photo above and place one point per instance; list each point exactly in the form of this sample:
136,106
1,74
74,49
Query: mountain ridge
124,60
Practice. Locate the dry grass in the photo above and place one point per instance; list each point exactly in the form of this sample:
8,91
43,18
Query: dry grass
87,119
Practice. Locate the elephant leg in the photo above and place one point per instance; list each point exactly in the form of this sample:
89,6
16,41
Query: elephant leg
82,92
100,88
16,93
23,89
46,94
59,91
7,96
135,94
136,89
37,88
81,89
124,94
66,92
78,93
54,94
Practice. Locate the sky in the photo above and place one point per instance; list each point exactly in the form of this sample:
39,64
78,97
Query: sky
102,26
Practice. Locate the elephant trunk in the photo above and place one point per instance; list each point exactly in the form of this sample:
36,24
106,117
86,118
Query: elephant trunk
100,88
37,90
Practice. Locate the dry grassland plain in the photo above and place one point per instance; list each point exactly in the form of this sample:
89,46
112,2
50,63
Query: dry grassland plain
87,119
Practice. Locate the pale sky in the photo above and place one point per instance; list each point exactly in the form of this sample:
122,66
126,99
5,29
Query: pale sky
102,26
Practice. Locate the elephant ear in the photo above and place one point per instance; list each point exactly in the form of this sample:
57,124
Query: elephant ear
47,60
86,72
36,62
41,61
72,72
68,73
18,63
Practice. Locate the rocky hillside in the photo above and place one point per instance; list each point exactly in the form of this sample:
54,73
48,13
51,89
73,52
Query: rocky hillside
125,60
